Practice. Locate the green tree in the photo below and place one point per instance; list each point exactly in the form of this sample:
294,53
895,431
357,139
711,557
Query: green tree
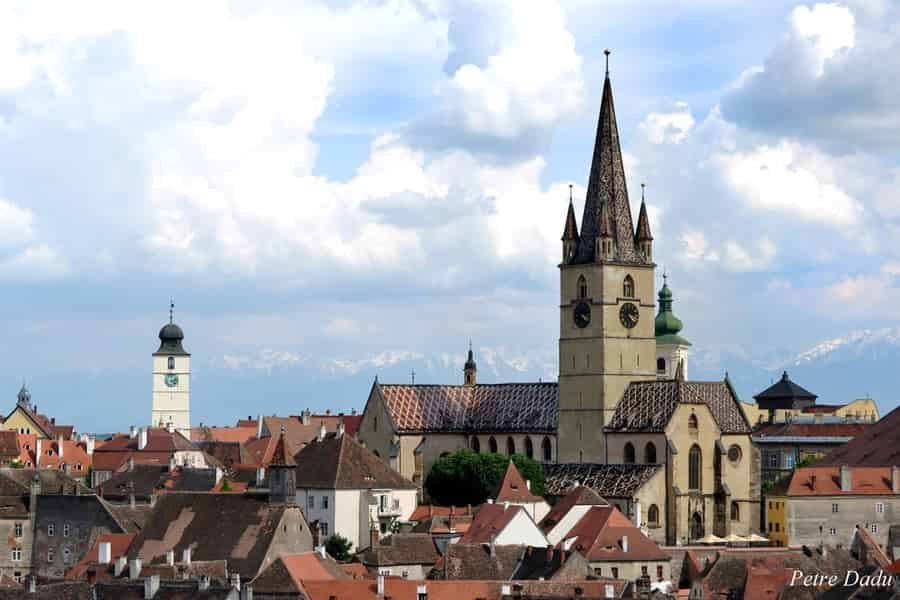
466,477
338,547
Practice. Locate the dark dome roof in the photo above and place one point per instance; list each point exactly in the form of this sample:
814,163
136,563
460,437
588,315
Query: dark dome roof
171,331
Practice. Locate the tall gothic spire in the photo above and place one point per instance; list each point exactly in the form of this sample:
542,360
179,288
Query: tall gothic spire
607,185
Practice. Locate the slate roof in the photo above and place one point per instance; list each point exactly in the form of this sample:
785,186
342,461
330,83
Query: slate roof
609,481
550,562
647,406
794,429
237,528
878,446
57,590
131,519
512,488
18,482
496,407
145,480
168,590
785,390
337,463
402,549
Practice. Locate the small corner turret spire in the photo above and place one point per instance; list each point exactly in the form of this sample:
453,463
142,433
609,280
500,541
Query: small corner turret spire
642,236
470,370
570,231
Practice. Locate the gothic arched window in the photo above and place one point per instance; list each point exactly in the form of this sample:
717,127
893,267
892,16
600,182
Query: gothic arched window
171,362
628,287
653,516
529,448
476,445
629,453
650,453
735,511
692,423
492,445
582,287
695,464
547,449
510,446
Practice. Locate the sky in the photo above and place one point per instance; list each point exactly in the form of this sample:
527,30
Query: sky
332,191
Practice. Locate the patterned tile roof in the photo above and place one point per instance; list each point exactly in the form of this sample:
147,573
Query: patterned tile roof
609,481
878,446
649,405
482,407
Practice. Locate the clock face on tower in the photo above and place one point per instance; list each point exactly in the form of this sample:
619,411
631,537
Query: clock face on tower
629,315
582,314
171,380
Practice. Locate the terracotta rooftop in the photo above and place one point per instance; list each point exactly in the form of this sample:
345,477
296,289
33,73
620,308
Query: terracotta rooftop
343,463
118,542
512,488
578,496
461,408
289,571
879,446
402,549
407,589
489,521
424,511
826,481
601,533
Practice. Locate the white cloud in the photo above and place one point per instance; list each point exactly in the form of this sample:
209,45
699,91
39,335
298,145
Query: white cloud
16,224
341,327
789,179
696,248
668,127
740,259
827,28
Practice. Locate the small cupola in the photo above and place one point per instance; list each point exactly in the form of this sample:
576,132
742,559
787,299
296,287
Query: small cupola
171,336
24,396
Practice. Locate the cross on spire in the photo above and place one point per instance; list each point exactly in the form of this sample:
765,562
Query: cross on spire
171,310
607,52
643,186
570,192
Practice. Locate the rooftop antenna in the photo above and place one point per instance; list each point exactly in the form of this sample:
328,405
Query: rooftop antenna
607,52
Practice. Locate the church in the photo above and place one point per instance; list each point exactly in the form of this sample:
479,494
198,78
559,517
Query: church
674,454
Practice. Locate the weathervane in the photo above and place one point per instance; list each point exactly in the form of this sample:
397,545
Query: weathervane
607,52
413,375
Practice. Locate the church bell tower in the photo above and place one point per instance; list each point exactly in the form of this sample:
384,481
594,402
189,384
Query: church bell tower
171,380
606,328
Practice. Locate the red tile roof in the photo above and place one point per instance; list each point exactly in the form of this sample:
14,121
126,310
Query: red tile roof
879,446
512,488
223,434
579,496
118,542
340,463
826,481
794,429
764,582
483,407
424,511
282,455
490,520
600,534
407,589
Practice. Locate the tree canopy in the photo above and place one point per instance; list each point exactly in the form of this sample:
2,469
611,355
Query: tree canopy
338,547
467,477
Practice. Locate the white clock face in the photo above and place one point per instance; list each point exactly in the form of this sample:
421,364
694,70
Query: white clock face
171,380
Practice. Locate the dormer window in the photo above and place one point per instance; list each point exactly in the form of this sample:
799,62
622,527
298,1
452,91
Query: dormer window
171,362
628,287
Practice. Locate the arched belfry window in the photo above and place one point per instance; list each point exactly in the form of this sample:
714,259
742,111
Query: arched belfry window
628,287
529,448
629,453
653,516
171,362
692,423
476,445
582,287
650,453
695,462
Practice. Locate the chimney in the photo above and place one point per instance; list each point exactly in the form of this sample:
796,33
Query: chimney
845,478
373,536
170,558
104,553
322,431
37,453
491,547
219,474
421,592
321,551
151,586
624,543
327,412
132,433
505,590
170,427
259,424
134,568
142,438
172,463
379,585
304,416
186,557
89,445
340,429
260,476
353,411
203,584
235,581
490,501
247,592
895,479
32,584
812,482
59,444
131,463
119,566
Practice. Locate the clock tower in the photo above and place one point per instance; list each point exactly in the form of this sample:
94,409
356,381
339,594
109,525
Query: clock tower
606,328
171,380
